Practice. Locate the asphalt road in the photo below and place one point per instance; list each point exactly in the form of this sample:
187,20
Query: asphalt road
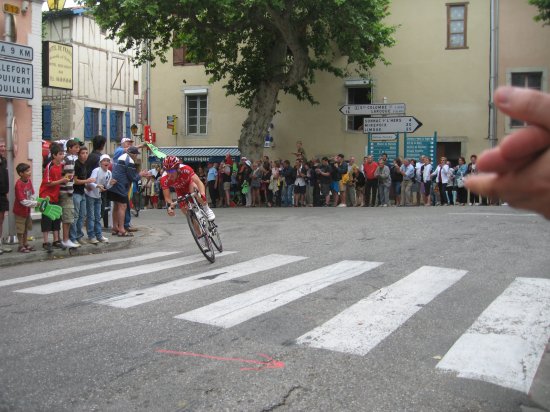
103,336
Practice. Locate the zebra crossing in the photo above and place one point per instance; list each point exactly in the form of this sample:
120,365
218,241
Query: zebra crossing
503,346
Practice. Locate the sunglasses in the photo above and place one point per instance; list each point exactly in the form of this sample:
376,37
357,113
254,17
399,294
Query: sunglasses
171,171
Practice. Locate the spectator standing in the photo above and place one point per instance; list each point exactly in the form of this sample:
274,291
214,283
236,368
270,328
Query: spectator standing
396,180
371,184
460,172
324,172
441,179
426,173
51,180
451,185
342,169
300,152
289,176
408,172
359,186
24,192
472,170
299,183
256,183
98,146
79,197
384,182
212,182
4,190
66,192
102,181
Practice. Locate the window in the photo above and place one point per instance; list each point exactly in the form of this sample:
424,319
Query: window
531,80
179,55
118,73
136,87
457,14
116,121
91,122
360,93
197,112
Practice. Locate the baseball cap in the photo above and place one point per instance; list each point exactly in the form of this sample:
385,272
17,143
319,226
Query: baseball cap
132,150
126,139
104,157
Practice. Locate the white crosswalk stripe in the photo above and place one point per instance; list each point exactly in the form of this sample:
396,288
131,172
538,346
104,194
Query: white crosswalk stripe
506,343
138,297
364,325
126,272
65,271
244,306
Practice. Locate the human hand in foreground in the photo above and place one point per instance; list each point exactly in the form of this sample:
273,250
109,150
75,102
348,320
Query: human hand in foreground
518,169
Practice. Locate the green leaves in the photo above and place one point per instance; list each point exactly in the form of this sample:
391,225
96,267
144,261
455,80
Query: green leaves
544,10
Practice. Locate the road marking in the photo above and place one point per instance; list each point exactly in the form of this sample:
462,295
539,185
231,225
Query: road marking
505,344
122,273
364,325
496,214
244,306
82,268
138,297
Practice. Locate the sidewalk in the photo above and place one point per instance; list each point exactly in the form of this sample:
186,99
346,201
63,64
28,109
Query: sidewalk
115,243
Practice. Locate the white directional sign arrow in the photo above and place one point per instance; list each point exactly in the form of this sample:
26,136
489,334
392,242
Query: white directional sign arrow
373,109
403,124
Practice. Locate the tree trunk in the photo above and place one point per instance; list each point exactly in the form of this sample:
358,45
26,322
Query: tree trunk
251,142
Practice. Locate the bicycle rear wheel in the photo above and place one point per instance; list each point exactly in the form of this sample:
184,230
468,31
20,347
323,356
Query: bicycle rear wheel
201,235
215,236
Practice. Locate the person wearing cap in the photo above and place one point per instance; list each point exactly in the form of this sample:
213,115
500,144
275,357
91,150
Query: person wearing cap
124,172
103,180
244,176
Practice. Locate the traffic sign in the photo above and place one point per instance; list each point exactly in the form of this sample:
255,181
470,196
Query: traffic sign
15,51
373,109
418,146
403,124
11,8
16,80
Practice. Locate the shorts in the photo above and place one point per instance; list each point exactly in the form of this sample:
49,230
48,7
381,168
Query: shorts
427,188
23,224
66,203
325,189
226,186
335,187
4,203
299,190
341,186
115,197
48,225
397,187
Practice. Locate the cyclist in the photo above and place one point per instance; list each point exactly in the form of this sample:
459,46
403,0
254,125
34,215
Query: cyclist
184,180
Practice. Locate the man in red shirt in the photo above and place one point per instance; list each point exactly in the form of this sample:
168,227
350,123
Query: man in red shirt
371,184
51,181
184,180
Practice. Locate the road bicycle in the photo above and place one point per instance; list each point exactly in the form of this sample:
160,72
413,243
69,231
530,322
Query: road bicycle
204,232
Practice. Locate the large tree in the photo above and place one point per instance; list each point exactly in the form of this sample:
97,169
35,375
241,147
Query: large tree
257,47
544,10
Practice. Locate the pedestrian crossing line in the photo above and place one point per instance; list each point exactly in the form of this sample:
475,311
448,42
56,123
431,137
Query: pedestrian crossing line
82,268
506,343
244,306
116,274
365,324
138,297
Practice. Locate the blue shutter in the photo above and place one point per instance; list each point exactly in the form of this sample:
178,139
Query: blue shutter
113,125
88,123
47,122
104,122
128,131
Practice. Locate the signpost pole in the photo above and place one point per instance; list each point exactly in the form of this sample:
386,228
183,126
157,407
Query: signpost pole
12,238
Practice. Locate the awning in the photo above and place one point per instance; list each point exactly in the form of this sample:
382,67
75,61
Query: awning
202,154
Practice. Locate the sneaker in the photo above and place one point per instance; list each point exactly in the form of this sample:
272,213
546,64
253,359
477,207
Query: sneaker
342,205
209,213
57,244
93,241
80,241
103,239
70,244
5,249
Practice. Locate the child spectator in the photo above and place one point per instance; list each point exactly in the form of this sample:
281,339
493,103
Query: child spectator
51,180
66,192
22,206
79,197
102,180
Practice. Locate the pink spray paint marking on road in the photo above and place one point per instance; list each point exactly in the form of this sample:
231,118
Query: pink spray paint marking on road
269,364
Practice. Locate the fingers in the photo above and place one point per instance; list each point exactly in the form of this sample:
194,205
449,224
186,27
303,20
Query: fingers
485,184
525,142
524,104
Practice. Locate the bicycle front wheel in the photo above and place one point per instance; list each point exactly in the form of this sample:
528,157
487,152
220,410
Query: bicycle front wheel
215,236
201,235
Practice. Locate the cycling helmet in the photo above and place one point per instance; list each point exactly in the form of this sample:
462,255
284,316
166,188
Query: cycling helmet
171,162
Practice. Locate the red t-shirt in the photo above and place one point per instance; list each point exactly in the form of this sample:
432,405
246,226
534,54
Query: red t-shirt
23,191
369,170
181,184
51,174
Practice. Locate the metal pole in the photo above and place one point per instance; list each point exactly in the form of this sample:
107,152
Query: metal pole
12,238
493,72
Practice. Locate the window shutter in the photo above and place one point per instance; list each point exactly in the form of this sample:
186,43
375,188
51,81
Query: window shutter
113,125
46,122
88,123
128,131
104,122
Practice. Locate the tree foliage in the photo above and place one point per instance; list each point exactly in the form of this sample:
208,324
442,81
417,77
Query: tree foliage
544,10
257,47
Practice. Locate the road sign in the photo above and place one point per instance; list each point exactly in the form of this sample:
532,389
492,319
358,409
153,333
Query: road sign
11,8
15,51
16,80
389,146
418,146
404,124
373,109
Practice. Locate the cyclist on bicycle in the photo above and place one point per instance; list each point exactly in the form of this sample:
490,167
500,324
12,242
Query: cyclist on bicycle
184,180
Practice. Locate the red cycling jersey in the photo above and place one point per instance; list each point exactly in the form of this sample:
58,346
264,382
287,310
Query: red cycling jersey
182,181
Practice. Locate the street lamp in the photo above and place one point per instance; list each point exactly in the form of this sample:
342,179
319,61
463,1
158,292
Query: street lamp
56,5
